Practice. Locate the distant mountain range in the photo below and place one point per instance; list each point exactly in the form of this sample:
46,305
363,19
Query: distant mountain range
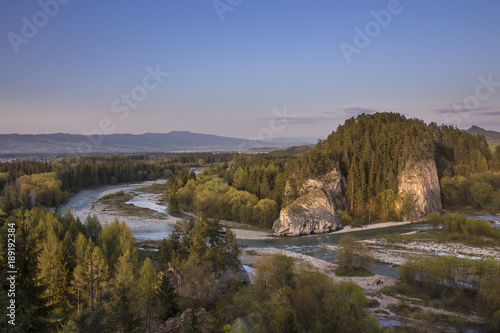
60,143
491,136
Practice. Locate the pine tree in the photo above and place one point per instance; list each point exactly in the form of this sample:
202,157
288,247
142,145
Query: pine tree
32,309
167,298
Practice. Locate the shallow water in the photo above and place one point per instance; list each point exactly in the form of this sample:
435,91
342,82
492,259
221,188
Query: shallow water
83,200
146,200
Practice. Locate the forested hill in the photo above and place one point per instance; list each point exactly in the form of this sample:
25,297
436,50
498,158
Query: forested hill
125,143
372,150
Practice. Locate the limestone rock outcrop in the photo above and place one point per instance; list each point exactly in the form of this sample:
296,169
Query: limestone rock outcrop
419,181
313,213
332,182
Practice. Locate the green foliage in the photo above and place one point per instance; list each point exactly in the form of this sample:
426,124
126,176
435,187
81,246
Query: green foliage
472,283
211,196
116,239
371,150
53,272
32,310
28,182
434,219
432,274
148,281
496,320
29,190
168,300
272,273
93,227
459,228
204,239
286,298
353,272
481,190
198,282
345,217
489,291
265,212
63,274
353,254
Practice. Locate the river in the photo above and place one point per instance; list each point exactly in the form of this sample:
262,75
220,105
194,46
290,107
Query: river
80,205
313,245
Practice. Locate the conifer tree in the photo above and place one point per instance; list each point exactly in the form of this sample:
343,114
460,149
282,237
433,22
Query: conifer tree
168,300
147,283
32,308
123,307
53,271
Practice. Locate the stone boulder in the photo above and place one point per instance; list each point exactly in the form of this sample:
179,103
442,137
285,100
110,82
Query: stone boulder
420,182
313,213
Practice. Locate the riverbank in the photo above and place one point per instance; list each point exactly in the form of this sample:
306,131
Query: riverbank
385,305
424,247
380,225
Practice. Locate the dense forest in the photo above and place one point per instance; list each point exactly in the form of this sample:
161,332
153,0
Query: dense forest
75,276
78,274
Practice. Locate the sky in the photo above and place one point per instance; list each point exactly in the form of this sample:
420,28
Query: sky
241,68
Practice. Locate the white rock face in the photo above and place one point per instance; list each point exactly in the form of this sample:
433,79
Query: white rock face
313,213
331,182
421,182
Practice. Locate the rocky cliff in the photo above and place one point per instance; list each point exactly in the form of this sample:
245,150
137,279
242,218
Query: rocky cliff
420,183
332,182
313,213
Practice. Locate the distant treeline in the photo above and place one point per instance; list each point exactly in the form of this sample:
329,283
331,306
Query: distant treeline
29,182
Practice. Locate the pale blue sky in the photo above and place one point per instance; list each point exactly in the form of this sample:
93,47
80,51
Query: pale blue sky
227,76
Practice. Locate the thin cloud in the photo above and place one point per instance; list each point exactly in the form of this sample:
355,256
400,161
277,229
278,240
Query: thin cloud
359,111
330,116
494,113
352,111
297,120
459,108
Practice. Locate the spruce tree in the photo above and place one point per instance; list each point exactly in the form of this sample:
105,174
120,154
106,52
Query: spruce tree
32,308
168,299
